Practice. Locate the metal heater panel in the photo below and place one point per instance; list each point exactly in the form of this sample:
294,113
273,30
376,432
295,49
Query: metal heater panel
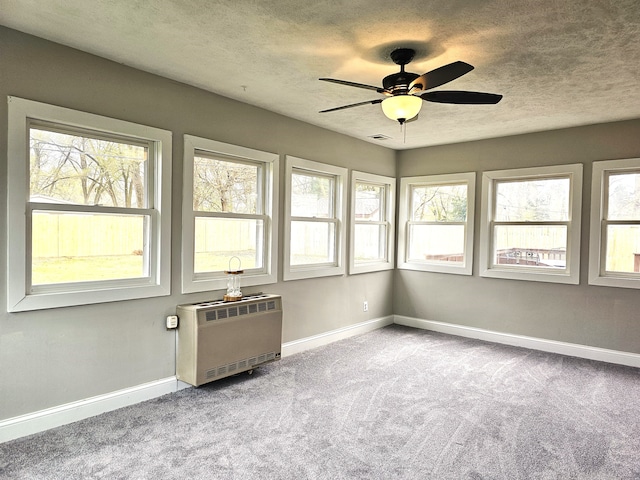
218,339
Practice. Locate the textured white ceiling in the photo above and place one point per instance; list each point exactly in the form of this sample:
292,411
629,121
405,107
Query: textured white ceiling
558,63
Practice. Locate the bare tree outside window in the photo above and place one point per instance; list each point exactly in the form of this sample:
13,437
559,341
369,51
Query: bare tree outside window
227,202
224,186
438,219
311,195
80,169
440,203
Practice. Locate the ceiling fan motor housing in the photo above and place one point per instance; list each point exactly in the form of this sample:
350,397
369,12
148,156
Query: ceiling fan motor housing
398,83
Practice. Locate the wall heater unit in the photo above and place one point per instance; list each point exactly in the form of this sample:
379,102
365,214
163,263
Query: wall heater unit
218,339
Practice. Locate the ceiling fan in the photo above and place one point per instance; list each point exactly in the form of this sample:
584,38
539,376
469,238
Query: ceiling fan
404,91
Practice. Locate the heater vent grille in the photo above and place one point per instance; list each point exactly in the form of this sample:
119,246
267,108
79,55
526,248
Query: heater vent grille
221,313
239,366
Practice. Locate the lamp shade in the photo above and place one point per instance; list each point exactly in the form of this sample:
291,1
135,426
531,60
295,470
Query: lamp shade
401,107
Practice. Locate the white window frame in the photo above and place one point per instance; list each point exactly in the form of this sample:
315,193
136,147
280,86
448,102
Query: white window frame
572,273
598,228
406,184
21,296
200,282
388,220
298,272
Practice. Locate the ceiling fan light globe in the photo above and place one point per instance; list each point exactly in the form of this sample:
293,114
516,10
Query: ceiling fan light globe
401,107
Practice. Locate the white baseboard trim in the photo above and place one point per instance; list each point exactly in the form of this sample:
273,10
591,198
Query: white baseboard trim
39,421
552,346
31,423
297,346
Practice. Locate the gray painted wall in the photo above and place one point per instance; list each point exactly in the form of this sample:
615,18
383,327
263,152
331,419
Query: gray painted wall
598,316
48,358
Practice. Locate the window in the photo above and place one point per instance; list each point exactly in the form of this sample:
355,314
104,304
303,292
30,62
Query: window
89,208
614,257
531,224
372,220
230,193
315,211
436,214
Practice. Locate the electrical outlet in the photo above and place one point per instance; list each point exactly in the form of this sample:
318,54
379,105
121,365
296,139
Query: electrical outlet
365,306
172,321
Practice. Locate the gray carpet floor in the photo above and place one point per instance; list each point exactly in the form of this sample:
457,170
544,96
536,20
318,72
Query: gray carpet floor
396,403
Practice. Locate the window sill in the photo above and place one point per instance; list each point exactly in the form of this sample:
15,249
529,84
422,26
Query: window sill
310,272
566,278
220,283
436,268
613,281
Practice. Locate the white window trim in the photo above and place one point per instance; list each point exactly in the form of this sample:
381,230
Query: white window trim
21,112
572,274
597,245
404,215
199,283
390,213
312,271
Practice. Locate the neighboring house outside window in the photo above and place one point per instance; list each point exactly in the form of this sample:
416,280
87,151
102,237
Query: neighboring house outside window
530,226
436,223
372,223
96,224
315,214
229,210
614,256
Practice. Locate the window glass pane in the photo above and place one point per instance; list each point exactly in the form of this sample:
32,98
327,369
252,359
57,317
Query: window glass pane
532,200
74,247
311,196
218,239
369,202
225,186
312,243
79,169
369,243
624,196
526,246
623,248
439,203
437,243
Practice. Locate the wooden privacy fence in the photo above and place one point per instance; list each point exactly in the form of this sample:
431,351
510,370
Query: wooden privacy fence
221,235
78,235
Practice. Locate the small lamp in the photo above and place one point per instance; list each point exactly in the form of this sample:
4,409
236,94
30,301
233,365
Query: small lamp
401,107
233,282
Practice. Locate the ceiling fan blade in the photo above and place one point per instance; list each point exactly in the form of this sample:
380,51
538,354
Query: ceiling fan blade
352,84
440,76
368,102
461,97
